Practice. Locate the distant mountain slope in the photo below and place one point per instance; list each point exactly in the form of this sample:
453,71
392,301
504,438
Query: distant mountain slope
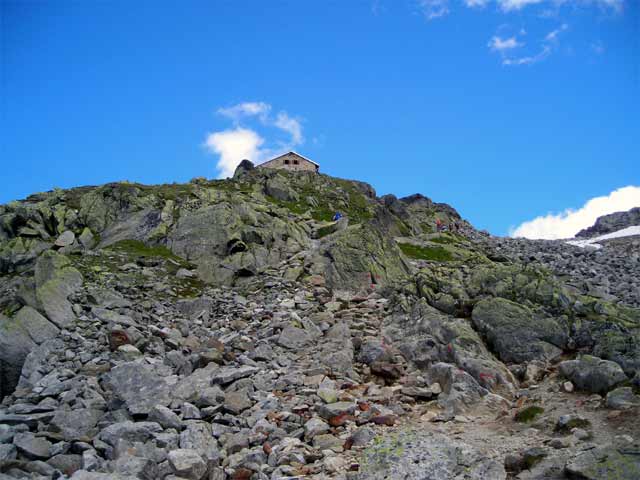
611,223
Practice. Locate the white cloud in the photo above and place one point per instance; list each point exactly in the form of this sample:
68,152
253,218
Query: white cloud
290,125
515,5
476,3
616,5
434,8
510,5
553,35
245,109
499,44
569,222
529,60
233,146
506,46
241,142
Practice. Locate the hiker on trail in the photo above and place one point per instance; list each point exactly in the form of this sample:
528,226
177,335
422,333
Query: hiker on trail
337,216
438,225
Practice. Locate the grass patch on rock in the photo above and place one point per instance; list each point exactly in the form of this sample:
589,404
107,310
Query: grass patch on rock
438,254
528,414
326,230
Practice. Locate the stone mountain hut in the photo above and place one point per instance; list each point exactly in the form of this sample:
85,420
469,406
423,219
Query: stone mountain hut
291,161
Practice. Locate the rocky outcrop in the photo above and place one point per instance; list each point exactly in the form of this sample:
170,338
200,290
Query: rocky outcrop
405,455
611,223
516,334
18,336
227,330
56,280
361,256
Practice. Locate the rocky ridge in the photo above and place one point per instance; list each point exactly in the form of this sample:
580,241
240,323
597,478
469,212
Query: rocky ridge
611,223
228,329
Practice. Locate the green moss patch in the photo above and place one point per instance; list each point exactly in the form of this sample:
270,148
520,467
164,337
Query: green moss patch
528,414
446,239
140,249
438,254
574,423
324,231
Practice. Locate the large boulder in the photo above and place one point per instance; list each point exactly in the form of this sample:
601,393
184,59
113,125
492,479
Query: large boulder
19,335
361,256
56,280
516,334
460,391
129,431
593,374
422,454
427,336
187,463
228,240
278,188
622,398
75,424
140,386
244,167
606,462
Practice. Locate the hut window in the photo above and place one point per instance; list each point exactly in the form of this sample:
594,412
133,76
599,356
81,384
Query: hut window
286,162
295,162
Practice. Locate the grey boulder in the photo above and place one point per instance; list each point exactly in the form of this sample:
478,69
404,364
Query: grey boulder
56,279
622,398
592,374
32,447
516,334
187,463
139,385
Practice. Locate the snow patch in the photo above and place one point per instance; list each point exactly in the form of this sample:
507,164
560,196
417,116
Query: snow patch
593,242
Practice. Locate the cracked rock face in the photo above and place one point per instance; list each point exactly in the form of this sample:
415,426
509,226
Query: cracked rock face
228,330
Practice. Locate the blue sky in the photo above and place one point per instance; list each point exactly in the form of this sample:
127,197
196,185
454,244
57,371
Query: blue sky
506,109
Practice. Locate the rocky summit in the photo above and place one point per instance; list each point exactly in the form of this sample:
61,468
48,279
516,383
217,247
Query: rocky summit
230,329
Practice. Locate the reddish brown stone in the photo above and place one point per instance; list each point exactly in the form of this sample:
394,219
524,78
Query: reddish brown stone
388,420
340,420
242,474
387,370
117,338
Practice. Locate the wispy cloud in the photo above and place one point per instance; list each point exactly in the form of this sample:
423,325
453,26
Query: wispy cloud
506,47
235,144
510,5
291,125
432,9
245,109
476,3
515,5
569,222
499,44
552,36
530,59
